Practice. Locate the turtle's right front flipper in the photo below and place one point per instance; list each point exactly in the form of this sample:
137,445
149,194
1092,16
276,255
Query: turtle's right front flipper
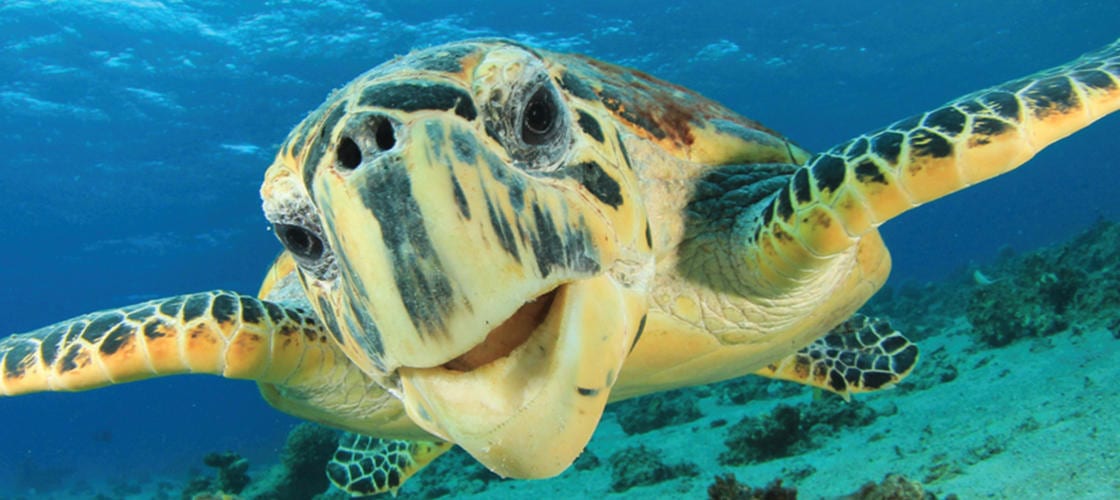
840,196
219,333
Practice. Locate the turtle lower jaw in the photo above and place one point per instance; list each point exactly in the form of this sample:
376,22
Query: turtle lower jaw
526,401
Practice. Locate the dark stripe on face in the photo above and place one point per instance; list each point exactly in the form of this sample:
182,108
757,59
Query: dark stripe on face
414,96
590,126
512,181
368,335
298,139
598,183
463,144
460,198
575,86
641,330
625,154
417,270
502,228
331,318
554,250
321,143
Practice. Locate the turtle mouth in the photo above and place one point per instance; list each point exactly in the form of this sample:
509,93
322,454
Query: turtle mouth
526,400
508,336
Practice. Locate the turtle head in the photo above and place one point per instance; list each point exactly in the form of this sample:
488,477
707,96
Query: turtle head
473,236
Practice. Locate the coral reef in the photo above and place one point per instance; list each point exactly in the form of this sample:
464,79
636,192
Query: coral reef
1029,295
743,390
1044,292
1028,304
232,477
196,485
726,487
587,461
894,487
654,411
788,430
233,471
640,466
300,474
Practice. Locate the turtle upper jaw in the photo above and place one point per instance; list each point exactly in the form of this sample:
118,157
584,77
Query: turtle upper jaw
529,412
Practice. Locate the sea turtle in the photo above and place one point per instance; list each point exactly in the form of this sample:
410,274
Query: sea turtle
485,243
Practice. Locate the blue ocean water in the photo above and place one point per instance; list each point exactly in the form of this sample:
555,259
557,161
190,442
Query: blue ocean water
135,135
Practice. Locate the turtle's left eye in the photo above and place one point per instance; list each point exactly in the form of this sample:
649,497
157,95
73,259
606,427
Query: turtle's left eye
538,120
303,244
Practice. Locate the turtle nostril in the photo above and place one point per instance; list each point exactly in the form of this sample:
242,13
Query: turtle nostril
348,153
384,135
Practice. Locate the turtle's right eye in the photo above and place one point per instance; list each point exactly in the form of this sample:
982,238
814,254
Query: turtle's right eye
538,121
302,243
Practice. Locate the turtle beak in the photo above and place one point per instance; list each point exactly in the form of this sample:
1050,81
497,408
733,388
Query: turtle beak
530,412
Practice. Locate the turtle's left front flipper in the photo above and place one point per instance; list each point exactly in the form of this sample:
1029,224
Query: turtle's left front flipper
862,354
218,333
840,196
364,465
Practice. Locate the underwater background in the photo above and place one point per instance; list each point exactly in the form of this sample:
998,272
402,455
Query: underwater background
134,136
